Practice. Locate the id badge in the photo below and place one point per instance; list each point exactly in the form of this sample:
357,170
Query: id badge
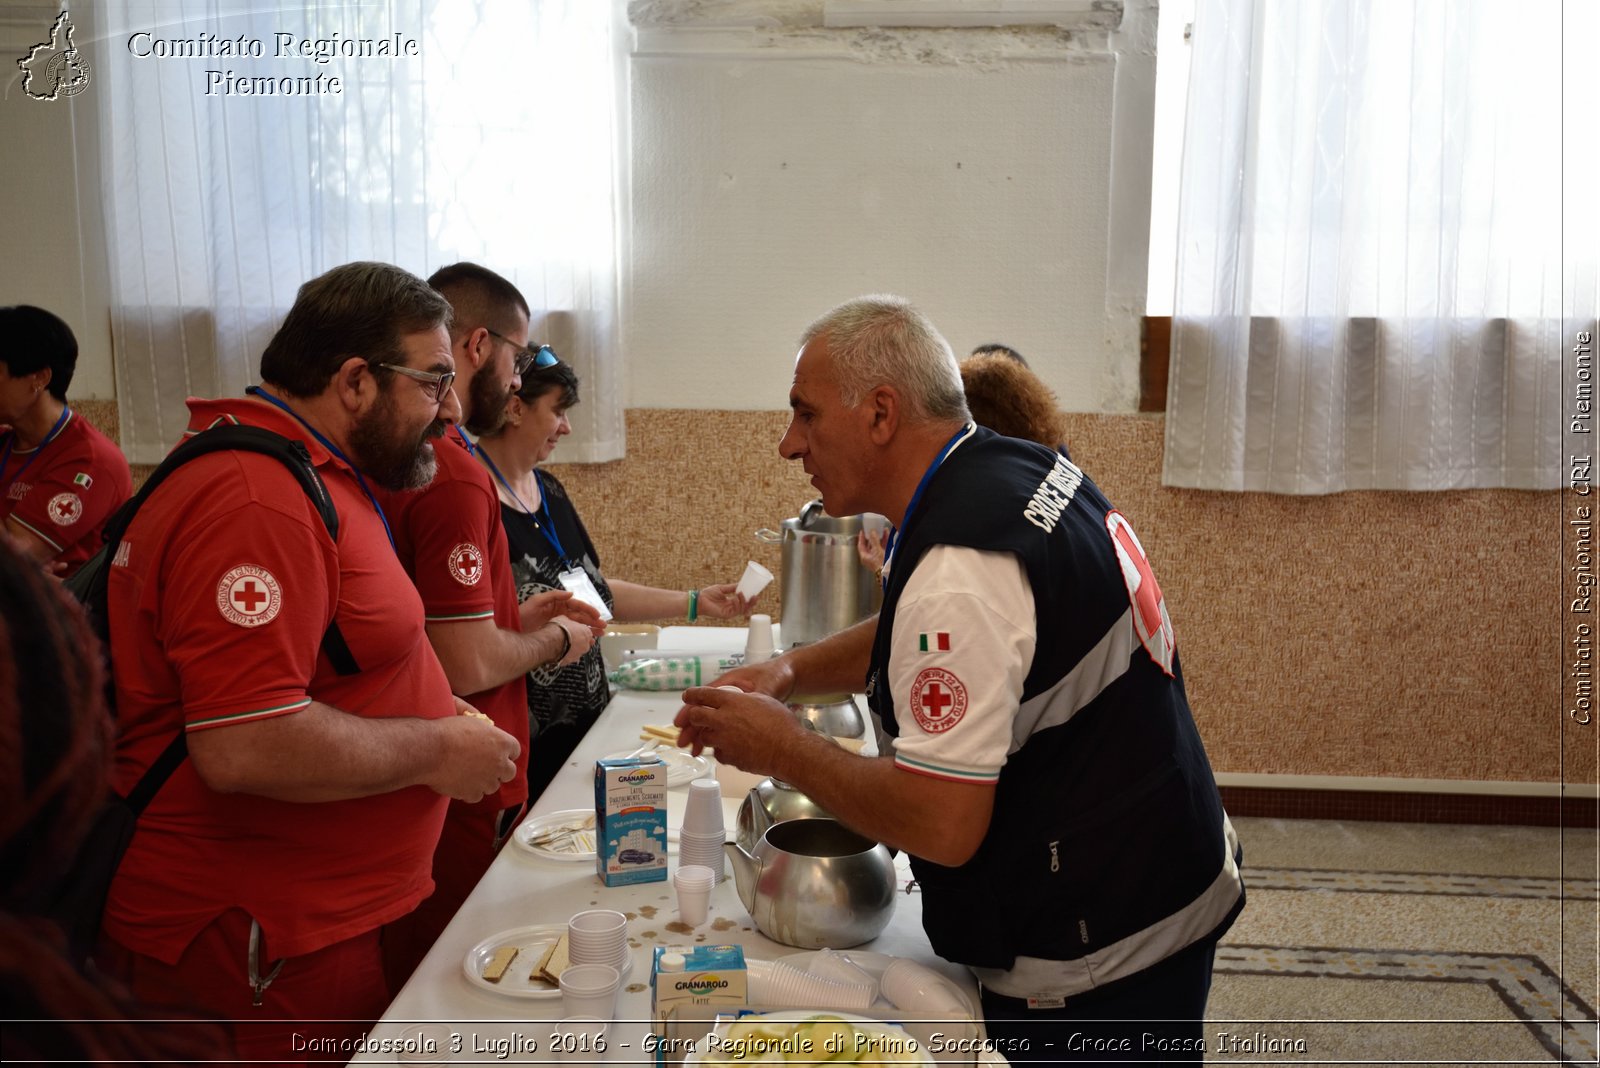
577,580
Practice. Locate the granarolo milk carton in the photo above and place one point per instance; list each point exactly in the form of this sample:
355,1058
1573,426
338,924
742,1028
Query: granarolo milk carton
630,816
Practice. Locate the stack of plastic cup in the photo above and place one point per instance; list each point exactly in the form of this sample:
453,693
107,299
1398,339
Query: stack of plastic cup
590,990
703,832
782,985
693,884
831,964
598,936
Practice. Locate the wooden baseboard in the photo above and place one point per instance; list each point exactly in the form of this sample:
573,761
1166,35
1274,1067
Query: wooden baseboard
1396,806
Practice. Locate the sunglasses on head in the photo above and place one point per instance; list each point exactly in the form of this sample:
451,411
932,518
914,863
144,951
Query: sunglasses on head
541,357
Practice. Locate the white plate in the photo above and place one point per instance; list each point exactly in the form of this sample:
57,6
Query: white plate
569,849
698,1055
530,942
682,766
874,965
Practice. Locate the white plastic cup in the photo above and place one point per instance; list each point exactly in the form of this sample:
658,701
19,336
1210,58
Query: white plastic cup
597,936
786,986
590,990
702,809
693,884
910,987
836,966
753,581
424,1045
758,640
703,851
580,1039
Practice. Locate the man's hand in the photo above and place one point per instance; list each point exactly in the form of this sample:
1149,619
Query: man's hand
542,608
580,638
748,730
774,677
475,757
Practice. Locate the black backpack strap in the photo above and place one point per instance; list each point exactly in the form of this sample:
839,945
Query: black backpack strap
235,438
89,584
156,775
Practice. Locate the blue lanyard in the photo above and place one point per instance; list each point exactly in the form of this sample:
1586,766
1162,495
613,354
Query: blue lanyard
927,476
257,391
548,527
5,461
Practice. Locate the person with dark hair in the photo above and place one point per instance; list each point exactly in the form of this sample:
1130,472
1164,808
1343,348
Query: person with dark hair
994,348
453,546
60,478
548,541
305,815
58,753
57,764
1026,669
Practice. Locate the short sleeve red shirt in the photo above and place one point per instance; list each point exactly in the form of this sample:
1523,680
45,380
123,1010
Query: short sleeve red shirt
452,544
218,600
64,490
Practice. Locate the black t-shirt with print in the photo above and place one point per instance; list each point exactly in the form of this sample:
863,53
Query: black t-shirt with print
563,703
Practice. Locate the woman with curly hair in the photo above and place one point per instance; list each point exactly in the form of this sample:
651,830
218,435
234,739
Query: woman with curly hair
1004,395
55,764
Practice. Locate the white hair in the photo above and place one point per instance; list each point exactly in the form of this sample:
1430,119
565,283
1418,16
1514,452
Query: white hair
882,340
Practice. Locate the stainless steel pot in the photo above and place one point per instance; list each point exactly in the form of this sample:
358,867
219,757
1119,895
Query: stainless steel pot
814,882
825,588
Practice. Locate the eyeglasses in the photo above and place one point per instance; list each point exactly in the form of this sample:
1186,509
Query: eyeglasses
542,357
441,381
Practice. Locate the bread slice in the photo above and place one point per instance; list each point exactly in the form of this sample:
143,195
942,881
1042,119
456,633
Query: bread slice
495,970
554,961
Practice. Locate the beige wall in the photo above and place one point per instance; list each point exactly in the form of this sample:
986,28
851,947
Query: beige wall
1407,635
1363,634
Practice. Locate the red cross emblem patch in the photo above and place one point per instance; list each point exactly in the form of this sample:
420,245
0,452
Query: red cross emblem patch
65,508
1150,619
466,564
249,596
938,700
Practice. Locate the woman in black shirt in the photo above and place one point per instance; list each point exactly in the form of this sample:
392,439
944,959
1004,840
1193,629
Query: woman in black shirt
551,550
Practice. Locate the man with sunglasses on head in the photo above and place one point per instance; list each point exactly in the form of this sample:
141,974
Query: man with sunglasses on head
452,543
305,814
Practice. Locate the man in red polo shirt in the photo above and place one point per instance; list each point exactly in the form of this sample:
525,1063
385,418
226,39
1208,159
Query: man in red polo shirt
306,814
60,478
452,543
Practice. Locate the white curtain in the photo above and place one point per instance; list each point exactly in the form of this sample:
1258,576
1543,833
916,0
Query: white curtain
494,142
1388,224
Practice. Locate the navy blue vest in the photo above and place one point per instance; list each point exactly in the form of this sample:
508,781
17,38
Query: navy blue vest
1107,818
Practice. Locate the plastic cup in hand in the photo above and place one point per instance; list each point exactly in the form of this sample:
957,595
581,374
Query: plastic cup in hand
758,641
753,581
702,809
693,884
590,990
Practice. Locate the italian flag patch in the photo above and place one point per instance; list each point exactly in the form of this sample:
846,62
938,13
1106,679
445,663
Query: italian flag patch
928,643
83,480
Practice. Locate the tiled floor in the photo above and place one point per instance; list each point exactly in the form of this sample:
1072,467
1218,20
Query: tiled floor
1418,943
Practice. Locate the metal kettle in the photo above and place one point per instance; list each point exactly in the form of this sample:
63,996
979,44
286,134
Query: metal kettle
825,588
772,801
814,882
